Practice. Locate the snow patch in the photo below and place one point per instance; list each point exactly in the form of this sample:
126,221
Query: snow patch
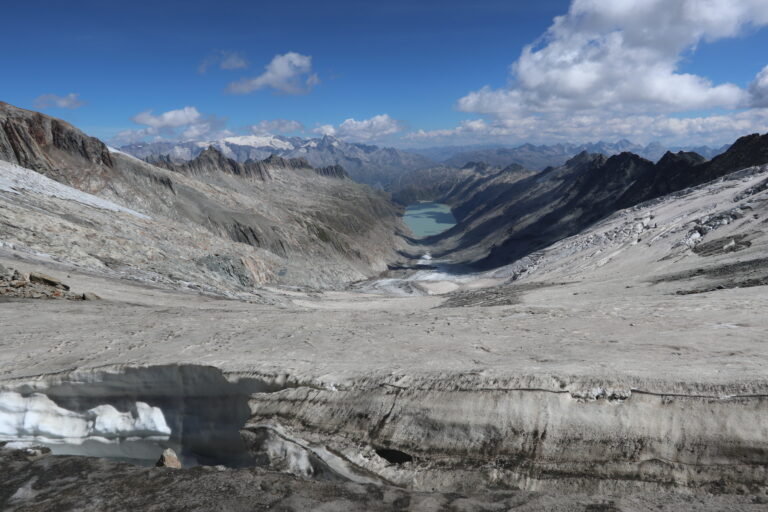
15,179
257,141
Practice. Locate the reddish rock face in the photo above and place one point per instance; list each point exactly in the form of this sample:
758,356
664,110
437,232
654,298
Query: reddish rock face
47,145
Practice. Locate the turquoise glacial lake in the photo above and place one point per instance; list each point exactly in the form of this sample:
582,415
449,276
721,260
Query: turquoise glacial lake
427,219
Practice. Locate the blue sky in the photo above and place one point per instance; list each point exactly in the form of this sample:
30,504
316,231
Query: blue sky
406,73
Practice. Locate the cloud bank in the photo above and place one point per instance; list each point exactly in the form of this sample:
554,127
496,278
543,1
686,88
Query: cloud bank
181,124
612,69
364,130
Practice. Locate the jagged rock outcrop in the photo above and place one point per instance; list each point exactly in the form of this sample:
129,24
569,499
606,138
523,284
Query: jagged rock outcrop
212,161
332,171
676,172
31,140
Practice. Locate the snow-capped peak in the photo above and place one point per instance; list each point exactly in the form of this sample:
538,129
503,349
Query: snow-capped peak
259,141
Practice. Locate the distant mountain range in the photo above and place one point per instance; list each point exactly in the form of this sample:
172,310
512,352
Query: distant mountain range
384,166
364,163
539,157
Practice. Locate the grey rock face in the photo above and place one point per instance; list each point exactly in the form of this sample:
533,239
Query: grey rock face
229,267
212,161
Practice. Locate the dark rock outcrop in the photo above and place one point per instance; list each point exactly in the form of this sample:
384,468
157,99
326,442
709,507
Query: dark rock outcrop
212,161
332,171
679,171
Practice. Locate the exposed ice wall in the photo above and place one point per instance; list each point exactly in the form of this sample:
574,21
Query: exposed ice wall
132,414
37,418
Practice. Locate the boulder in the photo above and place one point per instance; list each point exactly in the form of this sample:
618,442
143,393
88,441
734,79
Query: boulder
37,277
168,460
90,296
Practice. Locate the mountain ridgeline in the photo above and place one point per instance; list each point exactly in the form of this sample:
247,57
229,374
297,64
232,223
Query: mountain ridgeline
507,213
383,166
364,163
538,157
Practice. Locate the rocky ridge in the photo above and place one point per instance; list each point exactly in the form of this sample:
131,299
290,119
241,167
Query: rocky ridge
506,216
248,223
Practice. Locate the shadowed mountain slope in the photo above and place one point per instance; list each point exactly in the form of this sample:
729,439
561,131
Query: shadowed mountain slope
504,216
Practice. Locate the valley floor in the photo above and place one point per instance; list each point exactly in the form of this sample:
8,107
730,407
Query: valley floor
651,375
623,368
634,335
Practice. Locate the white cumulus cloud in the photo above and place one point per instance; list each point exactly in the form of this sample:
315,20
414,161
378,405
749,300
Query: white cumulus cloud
70,101
186,123
615,65
170,119
373,128
290,73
